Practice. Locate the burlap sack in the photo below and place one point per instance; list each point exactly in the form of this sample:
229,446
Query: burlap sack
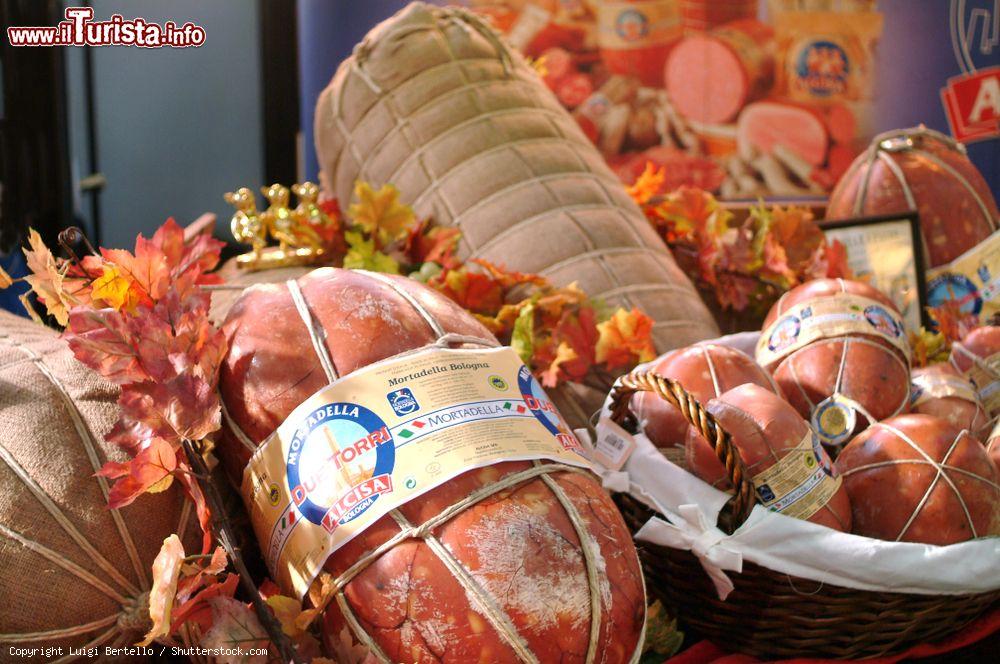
435,103
73,572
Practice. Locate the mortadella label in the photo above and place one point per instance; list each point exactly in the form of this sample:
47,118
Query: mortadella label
385,434
972,280
938,386
985,376
800,483
827,318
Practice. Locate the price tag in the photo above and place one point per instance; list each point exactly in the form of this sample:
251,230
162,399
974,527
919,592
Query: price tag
614,445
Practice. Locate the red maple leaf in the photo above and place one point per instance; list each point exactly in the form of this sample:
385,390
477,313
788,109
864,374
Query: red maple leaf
197,610
432,244
152,465
100,338
184,406
200,253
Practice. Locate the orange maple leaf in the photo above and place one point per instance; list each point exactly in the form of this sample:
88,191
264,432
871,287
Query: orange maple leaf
474,291
625,339
648,184
509,278
432,244
47,278
564,353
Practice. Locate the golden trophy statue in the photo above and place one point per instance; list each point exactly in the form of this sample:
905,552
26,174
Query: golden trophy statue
308,209
295,230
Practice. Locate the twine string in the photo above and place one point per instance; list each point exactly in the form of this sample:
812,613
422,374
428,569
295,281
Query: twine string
841,372
90,449
484,600
711,368
939,466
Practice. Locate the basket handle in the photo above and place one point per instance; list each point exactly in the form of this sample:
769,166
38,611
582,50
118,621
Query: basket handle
738,509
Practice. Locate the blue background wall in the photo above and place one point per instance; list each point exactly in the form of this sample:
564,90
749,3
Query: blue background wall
176,128
328,32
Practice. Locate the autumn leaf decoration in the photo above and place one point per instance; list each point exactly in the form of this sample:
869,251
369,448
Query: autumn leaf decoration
140,319
745,264
560,333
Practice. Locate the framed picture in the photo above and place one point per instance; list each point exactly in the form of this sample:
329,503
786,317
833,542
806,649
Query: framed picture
885,251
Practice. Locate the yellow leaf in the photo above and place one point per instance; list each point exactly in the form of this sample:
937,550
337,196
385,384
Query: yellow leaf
624,339
564,353
380,212
5,279
540,66
166,572
648,184
115,288
45,278
294,621
162,485
362,255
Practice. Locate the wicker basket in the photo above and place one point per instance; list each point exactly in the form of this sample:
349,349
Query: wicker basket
771,614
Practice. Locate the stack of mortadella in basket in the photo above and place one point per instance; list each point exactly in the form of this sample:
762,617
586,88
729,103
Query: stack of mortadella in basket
893,486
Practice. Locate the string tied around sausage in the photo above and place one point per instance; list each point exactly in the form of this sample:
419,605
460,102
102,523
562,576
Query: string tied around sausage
327,589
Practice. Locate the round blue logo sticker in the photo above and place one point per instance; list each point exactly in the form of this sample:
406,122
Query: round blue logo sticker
785,333
632,25
883,322
339,462
822,68
955,287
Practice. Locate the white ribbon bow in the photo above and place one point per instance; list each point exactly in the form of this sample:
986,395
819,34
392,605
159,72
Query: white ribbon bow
694,533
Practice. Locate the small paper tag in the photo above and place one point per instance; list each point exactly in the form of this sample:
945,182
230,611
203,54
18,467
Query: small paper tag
614,445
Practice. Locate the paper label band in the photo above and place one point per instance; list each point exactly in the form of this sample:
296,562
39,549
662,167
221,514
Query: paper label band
938,386
972,280
385,434
827,318
800,483
985,376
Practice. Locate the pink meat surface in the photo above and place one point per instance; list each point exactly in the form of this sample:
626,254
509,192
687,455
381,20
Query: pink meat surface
706,80
763,125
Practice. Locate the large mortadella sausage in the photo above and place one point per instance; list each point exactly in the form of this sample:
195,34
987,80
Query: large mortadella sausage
839,352
435,103
519,545
917,478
